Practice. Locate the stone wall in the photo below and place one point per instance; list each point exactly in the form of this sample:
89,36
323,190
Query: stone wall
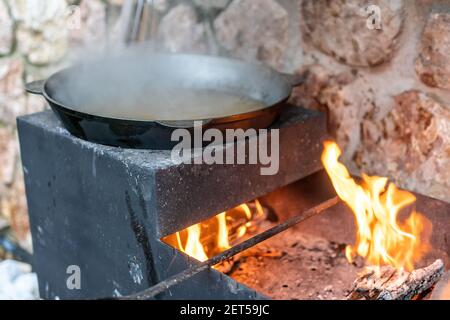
380,69
385,90
36,39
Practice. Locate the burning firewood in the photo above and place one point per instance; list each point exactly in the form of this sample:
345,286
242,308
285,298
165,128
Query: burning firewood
387,283
382,238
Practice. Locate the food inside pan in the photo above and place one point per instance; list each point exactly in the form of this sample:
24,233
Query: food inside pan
174,104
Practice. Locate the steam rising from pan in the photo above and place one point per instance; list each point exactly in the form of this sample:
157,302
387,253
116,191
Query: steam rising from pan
139,84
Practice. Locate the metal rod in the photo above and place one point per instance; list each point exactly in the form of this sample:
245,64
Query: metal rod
189,273
137,22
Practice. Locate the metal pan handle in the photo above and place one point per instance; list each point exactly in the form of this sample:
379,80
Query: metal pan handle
294,80
35,87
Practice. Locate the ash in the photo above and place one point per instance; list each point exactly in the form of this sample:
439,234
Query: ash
297,266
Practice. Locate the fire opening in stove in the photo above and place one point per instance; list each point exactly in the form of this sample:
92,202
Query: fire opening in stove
219,233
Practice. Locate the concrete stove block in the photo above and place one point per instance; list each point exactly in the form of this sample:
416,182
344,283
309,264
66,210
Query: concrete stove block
104,209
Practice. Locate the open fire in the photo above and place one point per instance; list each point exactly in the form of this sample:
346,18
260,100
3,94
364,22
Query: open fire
391,236
217,234
381,238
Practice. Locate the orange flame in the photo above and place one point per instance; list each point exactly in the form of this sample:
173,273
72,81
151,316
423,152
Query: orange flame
381,240
222,236
193,246
225,227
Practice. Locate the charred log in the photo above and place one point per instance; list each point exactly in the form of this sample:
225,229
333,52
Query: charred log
387,283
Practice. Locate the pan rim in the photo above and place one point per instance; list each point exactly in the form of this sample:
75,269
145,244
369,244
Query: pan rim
240,116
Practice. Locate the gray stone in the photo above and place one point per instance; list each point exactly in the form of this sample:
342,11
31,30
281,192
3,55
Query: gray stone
344,31
180,31
12,97
338,96
433,63
6,30
411,145
317,78
42,48
161,5
42,29
36,14
254,30
17,282
89,25
14,204
35,103
8,154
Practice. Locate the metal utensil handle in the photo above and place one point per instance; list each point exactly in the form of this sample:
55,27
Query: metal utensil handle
35,87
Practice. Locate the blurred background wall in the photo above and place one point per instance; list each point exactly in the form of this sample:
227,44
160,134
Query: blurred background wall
380,69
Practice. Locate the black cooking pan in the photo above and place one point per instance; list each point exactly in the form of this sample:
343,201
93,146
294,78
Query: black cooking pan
137,101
